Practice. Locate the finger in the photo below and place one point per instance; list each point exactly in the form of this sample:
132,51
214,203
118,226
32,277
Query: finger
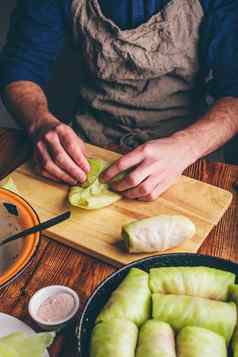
47,175
127,161
37,166
75,148
47,165
64,161
135,178
37,160
142,190
160,188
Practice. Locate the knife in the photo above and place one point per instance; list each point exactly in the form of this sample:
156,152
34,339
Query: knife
38,228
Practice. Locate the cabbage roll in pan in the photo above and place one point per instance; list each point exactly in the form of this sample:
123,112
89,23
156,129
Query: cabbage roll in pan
200,342
115,338
156,339
203,282
233,293
233,296
180,311
131,300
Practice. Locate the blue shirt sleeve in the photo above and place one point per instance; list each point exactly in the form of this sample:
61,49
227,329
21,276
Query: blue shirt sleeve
219,46
35,38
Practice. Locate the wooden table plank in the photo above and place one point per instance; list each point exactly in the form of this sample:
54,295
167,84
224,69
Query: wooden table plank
222,241
58,264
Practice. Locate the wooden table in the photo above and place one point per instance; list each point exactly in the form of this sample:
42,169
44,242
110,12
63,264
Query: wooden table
57,264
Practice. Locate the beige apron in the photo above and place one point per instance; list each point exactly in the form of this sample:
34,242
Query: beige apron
139,84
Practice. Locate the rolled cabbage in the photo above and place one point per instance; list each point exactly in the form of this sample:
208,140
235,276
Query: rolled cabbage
131,300
157,233
115,338
233,293
93,194
234,297
156,339
200,342
203,282
181,311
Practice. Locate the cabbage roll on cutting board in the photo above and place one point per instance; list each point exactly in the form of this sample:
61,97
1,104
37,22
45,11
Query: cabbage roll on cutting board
156,339
115,338
233,295
181,311
157,233
131,300
200,342
203,282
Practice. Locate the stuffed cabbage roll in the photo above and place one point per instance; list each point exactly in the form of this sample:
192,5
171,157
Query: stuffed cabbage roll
157,233
180,311
156,339
233,293
131,300
203,282
234,297
93,194
235,342
200,342
115,338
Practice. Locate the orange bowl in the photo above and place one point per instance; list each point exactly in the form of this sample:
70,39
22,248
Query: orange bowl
18,255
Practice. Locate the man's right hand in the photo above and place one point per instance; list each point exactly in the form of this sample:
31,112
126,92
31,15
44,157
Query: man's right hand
59,154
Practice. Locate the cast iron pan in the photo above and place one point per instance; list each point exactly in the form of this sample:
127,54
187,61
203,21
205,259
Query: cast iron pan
100,296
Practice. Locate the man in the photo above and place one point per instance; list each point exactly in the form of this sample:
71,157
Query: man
146,65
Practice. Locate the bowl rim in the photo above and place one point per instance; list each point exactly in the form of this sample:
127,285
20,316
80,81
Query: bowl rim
79,328
63,288
36,239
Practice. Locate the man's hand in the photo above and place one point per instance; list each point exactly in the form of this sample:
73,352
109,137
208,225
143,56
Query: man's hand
156,165
59,154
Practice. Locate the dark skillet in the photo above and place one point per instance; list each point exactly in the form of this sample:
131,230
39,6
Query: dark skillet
102,293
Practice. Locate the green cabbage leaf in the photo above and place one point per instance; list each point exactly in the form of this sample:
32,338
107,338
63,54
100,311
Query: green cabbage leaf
93,194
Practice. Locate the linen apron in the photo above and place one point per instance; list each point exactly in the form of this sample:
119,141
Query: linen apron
139,84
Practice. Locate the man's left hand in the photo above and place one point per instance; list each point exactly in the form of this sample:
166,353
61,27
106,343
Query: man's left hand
154,167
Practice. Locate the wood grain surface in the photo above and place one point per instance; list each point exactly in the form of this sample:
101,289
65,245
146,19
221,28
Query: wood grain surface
204,204
58,264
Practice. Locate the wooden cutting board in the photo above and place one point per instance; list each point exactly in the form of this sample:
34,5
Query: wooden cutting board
98,232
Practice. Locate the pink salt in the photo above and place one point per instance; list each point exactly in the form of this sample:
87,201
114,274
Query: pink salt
56,308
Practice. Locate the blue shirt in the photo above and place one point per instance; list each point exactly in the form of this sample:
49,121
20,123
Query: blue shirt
38,28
